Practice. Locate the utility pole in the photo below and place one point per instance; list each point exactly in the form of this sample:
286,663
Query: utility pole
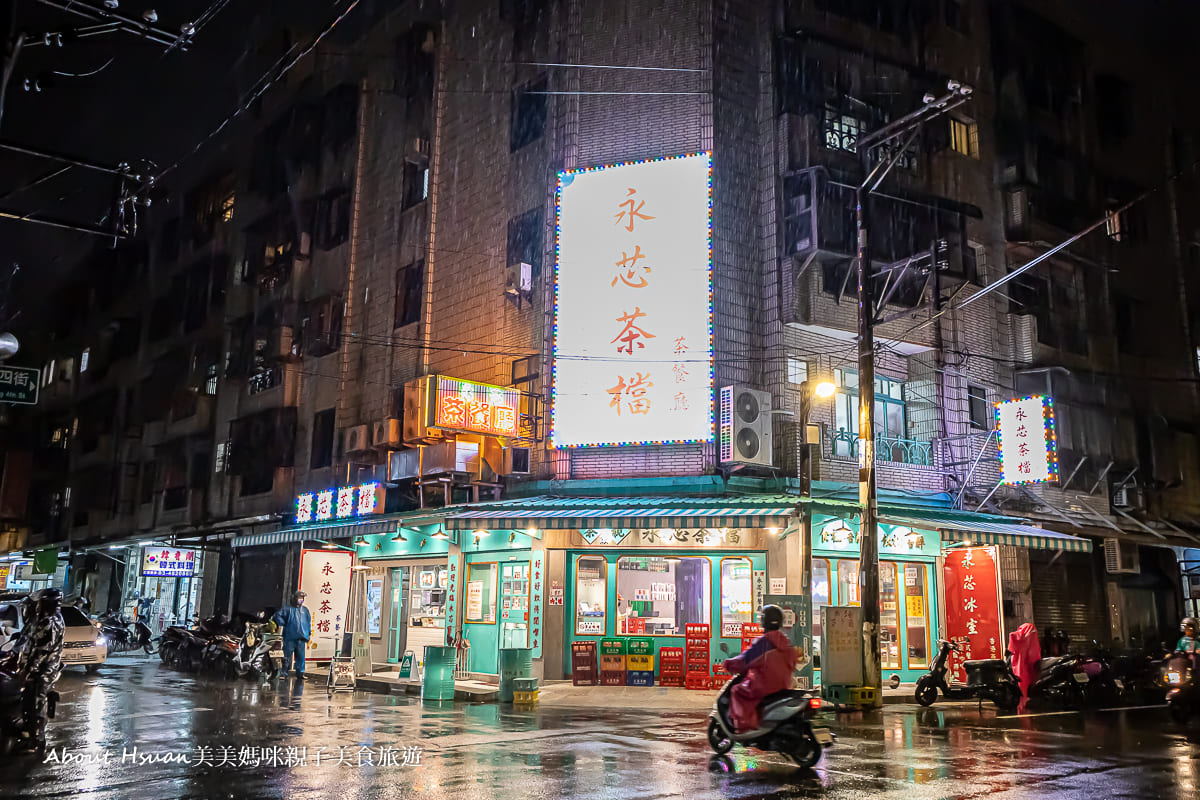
886,138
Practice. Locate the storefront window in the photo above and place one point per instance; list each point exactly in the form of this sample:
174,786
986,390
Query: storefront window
737,595
591,595
916,612
481,593
889,626
847,576
820,597
657,596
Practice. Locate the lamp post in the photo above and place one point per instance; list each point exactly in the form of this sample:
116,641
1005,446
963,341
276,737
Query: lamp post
904,132
808,390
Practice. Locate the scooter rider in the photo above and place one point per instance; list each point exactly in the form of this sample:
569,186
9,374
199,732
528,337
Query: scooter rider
40,664
769,663
1188,643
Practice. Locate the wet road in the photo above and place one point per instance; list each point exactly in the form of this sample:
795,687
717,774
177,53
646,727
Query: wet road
356,745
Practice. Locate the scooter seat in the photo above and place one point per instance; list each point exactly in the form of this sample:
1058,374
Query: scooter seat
985,663
786,694
1046,663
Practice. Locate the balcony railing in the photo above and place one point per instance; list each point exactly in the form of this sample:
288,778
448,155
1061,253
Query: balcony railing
262,381
887,448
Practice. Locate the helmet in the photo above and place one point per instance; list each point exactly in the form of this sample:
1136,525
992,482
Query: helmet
772,618
1189,621
48,601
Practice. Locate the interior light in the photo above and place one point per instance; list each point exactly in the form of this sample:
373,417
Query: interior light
773,531
824,389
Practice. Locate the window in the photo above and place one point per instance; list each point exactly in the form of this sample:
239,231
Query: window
797,370
322,439
1112,225
591,595
529,110
226,209
481,593
210,379
48,375
83,360
219,458
657,596
847,578
978,407
916,615
820,597
332,226
841,130
889,617
890,416
525,241
409,293
737,594
416,183
964,137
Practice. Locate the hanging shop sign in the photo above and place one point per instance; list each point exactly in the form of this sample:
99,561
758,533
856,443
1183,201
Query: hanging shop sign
344,502
893,539
452,601
633,304
537,592
325,578
162,562
472,407
972,584
1028,443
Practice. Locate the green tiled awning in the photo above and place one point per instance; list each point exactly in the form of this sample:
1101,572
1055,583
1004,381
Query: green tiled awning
983,531
758,511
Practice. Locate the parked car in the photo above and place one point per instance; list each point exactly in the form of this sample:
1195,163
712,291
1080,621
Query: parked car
83,643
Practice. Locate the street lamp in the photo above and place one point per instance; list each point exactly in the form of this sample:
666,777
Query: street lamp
808,390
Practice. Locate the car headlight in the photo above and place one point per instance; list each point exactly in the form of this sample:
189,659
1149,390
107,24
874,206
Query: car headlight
100,641
1174,678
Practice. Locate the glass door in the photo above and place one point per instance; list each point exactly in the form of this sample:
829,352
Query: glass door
514,605
398,615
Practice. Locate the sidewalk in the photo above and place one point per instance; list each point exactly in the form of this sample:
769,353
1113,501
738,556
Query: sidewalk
391,683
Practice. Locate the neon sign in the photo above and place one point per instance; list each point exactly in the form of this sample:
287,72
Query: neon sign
345,502
476,407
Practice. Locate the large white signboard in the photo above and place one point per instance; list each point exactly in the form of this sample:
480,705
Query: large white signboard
633,298
325,578
168,562
1028,442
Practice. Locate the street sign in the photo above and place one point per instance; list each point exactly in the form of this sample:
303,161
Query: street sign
19,385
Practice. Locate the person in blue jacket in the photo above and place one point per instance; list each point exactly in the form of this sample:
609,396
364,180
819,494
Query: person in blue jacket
296,622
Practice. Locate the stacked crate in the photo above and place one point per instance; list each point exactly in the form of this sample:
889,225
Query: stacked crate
525,691
719,676
695,665
612,662
750,632
583,664
670,666
639,662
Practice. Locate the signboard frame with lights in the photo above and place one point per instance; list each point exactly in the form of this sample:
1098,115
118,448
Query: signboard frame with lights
463,406
341,503
1027,440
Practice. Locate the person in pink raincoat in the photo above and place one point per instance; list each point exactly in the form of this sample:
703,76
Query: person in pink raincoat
1026,652
768,663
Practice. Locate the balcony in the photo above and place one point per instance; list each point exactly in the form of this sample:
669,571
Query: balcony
190,414
887,448
179,505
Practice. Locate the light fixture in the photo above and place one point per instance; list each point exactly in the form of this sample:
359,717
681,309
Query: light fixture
824,389
360,541
773,531
357,567
422,544
329,546
440,534
477,538
512,537
672,559
116,546
399,537
532,532
145,544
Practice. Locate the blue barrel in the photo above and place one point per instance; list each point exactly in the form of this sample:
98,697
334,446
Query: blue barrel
515,663
438,683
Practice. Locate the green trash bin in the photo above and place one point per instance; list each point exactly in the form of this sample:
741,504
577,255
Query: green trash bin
438,683
514,663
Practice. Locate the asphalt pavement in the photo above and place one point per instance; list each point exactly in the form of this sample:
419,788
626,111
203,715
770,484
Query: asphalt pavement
143,731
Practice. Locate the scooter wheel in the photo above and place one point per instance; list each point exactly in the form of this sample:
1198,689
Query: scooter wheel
807,752
717,739
926,692
1008,698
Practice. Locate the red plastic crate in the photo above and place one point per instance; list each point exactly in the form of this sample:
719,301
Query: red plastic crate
696,681
612,678
697,630
675,681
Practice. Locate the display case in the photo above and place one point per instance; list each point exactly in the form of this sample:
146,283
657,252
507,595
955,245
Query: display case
427,598
514,605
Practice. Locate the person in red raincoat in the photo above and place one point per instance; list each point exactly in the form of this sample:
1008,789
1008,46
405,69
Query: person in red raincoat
768,663
1026,652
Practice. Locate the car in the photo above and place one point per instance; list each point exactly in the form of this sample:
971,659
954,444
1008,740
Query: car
82,641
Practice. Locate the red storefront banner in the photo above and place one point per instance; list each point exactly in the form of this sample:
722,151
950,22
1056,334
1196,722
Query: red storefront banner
972,580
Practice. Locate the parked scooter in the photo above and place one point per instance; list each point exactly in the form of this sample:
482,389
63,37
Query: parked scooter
988,679
785,727
1183,694
259,653
123,635
184,648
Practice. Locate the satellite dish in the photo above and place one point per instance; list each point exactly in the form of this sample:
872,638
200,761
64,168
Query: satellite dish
8,345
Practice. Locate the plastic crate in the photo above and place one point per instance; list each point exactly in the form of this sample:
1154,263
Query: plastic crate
639,678
525,685
639,663
612,647
697,681
612,678
675,681
697,630
525,698
640,646
612,663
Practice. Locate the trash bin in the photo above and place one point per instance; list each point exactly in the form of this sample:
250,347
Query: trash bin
438,683
514,663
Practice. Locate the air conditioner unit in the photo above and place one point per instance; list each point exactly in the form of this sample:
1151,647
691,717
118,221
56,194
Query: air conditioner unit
518,280
354,440
745,426
1125,497
1120,556
386,433
517,460
418,412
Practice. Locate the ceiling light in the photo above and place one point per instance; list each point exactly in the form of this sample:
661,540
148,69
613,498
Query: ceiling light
360,541
399,537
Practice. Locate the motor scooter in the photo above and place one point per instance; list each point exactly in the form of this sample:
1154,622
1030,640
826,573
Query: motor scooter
12,722
259,653
1183,695
785,725
987,679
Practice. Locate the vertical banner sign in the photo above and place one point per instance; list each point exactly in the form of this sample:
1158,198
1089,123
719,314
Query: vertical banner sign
535,602
972,580
633,304
760,590
1028,442
452,600
3,576
325,578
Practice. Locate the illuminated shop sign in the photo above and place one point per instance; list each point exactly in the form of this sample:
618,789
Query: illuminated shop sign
460,405
160,562
345,502
1027,440
633,304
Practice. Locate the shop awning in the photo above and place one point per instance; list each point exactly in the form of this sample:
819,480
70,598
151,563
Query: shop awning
313,533
978,531
627,512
